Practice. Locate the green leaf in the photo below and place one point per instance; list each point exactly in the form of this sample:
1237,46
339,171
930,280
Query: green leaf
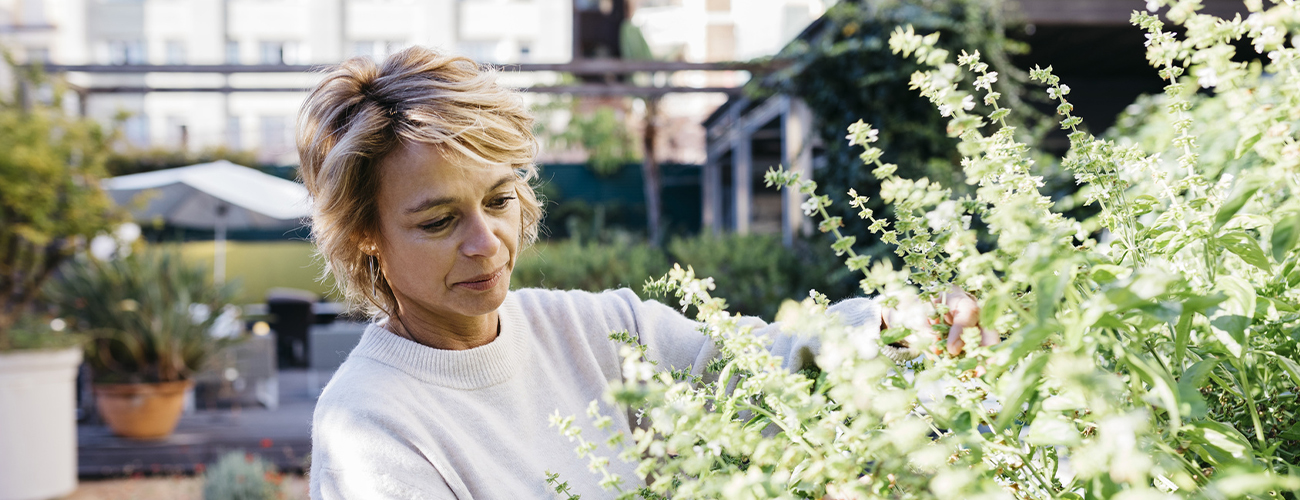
1285,234
1189,387
1290,366
1222,443
1161,386
1050,288
1245,143
895,334
1245,246
1251,484
1234,204
1018,388
1240,293
1231,331
1182,335
1293,433
1144,203
1051,430
1106,273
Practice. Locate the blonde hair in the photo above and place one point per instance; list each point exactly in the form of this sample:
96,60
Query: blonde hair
363,111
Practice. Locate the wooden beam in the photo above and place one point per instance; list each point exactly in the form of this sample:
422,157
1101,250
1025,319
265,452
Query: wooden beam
594,89
578,67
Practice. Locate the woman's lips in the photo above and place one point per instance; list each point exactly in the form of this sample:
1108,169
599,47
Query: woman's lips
486,282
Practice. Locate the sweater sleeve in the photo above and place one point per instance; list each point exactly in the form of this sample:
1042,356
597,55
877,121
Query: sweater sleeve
676,342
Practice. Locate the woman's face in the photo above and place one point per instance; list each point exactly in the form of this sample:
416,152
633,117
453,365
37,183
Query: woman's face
449,233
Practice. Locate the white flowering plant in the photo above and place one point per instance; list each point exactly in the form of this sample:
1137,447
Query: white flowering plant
1149,351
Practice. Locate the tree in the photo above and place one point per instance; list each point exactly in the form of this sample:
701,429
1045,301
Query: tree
50,198
846,72
633,46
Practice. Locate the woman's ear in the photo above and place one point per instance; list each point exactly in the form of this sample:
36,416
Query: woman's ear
368,246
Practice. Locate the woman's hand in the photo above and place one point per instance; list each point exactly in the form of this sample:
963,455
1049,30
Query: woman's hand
963,312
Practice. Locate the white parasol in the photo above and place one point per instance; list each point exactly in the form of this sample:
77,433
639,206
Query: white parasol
218,196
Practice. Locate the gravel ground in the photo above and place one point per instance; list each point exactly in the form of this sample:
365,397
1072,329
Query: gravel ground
168,488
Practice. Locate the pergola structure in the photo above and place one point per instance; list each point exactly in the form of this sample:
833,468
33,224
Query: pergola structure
1090,44
610,69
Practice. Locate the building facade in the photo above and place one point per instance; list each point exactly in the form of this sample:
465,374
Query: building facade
261,33
255,110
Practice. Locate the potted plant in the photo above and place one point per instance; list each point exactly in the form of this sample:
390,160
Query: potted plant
148,316
50,204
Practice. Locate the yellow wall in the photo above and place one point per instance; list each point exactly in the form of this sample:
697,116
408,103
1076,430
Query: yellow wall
262,265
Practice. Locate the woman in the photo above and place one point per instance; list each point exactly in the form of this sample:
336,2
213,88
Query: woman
419,173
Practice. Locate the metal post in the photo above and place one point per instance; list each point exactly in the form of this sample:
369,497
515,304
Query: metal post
219,252
796,151
742,178
711,204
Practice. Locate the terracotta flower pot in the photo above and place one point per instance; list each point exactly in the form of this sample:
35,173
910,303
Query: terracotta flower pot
141,411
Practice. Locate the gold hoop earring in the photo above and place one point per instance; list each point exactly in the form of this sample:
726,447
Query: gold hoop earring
374,275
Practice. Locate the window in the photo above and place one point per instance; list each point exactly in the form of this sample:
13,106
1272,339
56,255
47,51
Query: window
232,52
275,135
282,53
177,132
604,6
375,49
234,133
124,52
32,12
721,42
175,52
38,55
480,51
136,128
271,53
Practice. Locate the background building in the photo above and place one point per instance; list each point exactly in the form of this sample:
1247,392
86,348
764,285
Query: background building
256,33
247,110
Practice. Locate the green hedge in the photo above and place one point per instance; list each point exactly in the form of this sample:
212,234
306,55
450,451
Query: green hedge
755,273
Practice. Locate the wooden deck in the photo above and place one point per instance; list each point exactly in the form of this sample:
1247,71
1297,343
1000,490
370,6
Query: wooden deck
282,436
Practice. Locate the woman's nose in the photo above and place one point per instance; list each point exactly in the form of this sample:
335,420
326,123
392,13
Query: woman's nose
479,240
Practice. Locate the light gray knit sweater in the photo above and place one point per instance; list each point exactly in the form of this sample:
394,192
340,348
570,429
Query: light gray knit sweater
402,420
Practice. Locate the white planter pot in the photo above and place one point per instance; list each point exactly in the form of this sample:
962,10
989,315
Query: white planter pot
38,424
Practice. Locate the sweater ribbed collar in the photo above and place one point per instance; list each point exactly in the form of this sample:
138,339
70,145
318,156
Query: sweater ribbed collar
468,369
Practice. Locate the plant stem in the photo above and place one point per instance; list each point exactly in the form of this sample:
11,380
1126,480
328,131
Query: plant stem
1250,403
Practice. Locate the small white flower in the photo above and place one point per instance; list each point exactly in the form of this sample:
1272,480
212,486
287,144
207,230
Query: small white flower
1053,93
1207,77
810,206
1153,5
1151,38
945,110
968,103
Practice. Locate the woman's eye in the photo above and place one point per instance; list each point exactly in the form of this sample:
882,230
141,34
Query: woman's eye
436,225
501,202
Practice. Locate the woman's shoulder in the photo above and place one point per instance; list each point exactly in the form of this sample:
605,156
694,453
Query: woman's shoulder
353,388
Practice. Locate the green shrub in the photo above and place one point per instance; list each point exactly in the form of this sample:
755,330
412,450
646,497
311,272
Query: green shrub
241,476
759,272
50,200
1150,351
570,264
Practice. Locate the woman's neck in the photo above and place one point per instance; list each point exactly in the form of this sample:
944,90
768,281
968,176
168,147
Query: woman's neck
452,335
